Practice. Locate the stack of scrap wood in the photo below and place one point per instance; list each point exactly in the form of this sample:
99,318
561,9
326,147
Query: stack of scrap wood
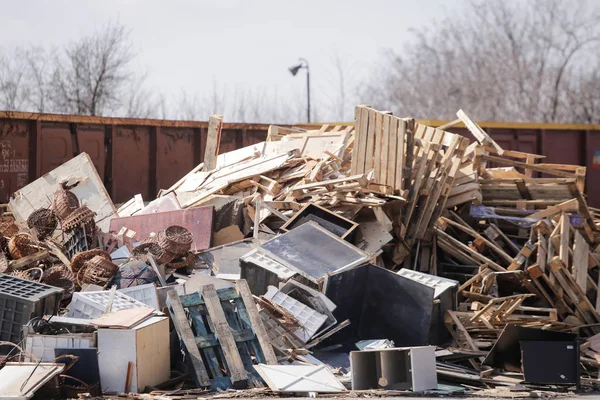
514,231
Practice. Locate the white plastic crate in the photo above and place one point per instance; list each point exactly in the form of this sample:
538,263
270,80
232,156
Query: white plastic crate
143,293
266,262
42,346
438,284
310,319
91,305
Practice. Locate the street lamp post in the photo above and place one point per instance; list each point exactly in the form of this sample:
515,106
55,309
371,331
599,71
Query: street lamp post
294,70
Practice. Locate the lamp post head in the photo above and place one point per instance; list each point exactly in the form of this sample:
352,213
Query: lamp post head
294,70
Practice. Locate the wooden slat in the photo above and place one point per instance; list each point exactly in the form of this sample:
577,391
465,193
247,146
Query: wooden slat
372,132
237,372
581,250
385,144
187,337
213,140
565,230
256,321
400,128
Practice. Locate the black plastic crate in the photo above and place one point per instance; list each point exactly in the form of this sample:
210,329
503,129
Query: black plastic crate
20,301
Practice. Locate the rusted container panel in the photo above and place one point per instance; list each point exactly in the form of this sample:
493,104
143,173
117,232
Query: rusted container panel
14,158
592,161
175,155
253,136
563,147
131,163
57,146
90,139
231,139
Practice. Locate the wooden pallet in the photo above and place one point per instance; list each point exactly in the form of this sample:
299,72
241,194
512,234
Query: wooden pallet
223,335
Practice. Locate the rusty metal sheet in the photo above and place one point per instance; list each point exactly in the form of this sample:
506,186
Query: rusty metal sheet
14,157
199,221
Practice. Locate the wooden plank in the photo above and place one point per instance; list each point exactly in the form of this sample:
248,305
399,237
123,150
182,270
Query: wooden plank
187,337
399,132
542,252
467,229
475,255
409,153
505,161
565,230
256,321
360,145
477,132
427,157
237,372
372,132
581,250
378,148
385,144
568,206
213,140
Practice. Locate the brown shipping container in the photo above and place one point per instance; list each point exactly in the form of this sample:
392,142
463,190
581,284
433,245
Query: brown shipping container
144,155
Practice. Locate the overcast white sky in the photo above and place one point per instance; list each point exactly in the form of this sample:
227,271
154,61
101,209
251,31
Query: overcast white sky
190,45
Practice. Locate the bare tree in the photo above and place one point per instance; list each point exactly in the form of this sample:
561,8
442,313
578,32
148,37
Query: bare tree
90,75
501,60
14,91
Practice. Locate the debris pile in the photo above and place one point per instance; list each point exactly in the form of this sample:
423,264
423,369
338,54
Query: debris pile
387,256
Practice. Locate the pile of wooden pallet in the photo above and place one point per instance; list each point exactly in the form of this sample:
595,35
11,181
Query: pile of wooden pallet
515,232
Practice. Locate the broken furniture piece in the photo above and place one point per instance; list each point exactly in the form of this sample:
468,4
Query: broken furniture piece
410,368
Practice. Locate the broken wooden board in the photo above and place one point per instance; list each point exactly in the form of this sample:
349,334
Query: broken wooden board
199,221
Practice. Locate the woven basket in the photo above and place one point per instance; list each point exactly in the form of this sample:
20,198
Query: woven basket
82,215
161,255
175,239
56,273
64,202
21,245
31,274
8,228
4,267
3,244
97,271
44,222
79,259
150,239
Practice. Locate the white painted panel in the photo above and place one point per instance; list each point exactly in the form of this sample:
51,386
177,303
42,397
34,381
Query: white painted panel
422,364
116,348
90,191
299,378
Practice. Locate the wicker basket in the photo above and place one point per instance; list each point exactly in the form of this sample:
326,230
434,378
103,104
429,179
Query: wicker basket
44,222
8,228
64,202
175,239
4,267
98,271
79,259
3,244
184,261
56,273
21,245
31,274
82,215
